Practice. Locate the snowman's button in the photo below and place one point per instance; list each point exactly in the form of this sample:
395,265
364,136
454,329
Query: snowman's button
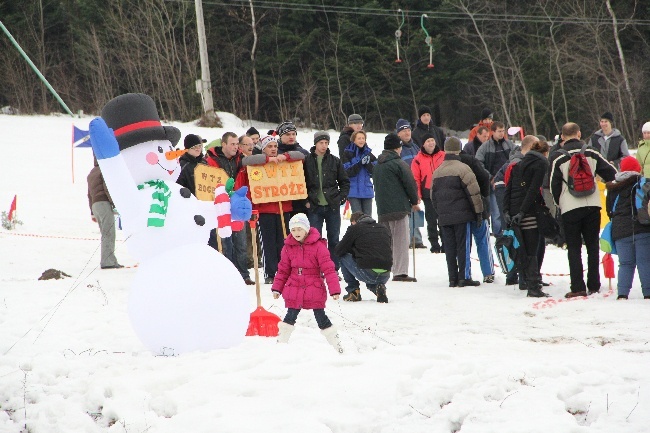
198,219
185,192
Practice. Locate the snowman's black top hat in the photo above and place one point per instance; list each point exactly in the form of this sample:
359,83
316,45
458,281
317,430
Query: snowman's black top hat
134,119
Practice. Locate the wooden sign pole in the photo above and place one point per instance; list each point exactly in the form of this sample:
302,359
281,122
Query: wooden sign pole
284,229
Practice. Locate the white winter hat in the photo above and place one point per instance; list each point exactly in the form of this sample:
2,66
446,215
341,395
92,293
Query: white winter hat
646,127
299,220
266,140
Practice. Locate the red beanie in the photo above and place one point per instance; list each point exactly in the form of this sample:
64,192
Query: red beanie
630,163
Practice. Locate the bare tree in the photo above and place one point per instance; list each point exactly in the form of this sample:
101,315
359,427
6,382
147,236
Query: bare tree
621,57
488,55
256,90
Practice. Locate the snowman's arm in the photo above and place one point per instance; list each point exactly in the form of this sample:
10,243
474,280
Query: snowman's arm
119,181
208,210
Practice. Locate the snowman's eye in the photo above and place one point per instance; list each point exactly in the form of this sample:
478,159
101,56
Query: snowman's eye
160,150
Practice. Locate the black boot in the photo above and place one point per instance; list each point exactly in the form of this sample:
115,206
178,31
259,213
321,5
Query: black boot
520,273
537,293
470,282
533,279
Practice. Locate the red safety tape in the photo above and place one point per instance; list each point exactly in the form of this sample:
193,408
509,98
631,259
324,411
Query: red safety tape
551,302
62,237
51,237
541,273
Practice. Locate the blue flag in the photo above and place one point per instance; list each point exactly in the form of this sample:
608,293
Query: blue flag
80,137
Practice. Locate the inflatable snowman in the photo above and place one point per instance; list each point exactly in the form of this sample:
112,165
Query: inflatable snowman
185,295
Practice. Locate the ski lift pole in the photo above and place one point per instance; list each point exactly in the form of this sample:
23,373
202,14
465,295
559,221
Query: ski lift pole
398,35
428,40
29,61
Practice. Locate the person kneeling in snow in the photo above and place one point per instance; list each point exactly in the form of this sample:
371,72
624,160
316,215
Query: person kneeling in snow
366,256
304,260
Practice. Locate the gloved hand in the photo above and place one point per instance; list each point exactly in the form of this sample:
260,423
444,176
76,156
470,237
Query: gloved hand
102,139
240,206
479,219
343,200
365,160
516,220
355,160
507,219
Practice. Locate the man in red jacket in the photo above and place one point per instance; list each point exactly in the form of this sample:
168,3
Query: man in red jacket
272,231
229,158
428,159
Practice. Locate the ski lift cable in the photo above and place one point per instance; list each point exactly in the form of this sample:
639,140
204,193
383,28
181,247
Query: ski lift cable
498,17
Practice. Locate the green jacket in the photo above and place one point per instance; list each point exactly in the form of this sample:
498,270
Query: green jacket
643,156
395,189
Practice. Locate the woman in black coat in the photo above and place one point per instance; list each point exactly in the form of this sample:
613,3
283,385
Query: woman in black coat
522,204
630,235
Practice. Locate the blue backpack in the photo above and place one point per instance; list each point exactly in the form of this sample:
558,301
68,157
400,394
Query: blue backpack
641,201
506,248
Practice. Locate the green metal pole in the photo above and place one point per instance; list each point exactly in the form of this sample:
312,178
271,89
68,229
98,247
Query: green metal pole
56,95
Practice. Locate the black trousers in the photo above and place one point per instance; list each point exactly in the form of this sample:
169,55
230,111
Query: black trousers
272,234
321,318
528,263
458,244
583,224
432,222
541,252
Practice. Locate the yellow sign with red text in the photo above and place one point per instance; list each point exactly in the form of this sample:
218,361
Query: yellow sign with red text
273,182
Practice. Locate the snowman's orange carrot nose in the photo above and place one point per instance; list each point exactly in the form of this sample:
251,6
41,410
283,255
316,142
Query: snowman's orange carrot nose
173,154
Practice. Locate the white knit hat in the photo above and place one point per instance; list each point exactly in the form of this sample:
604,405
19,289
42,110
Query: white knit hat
266,140
299,220
646,127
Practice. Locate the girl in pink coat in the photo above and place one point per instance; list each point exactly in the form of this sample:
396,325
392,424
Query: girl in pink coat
304,261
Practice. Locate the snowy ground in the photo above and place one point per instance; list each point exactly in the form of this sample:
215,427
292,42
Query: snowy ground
434,359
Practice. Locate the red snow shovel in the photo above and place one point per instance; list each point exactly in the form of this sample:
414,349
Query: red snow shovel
608,268
262,322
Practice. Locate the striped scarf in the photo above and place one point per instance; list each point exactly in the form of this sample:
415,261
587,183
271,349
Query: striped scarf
160,196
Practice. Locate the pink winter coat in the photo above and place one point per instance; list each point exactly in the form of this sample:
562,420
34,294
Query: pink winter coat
300,272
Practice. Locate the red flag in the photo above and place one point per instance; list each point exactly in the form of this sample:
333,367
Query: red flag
12,209
608,266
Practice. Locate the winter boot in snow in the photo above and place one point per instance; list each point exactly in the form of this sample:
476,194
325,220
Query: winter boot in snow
332,336
533,279
537,293
353,296
284,332
381,294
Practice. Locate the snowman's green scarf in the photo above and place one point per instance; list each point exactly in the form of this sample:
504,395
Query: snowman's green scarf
160,196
